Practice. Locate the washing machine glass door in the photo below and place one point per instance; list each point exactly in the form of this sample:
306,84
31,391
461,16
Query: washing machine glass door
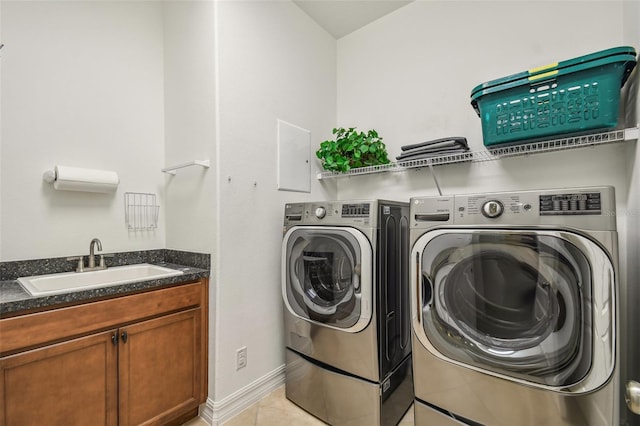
327,276
516,303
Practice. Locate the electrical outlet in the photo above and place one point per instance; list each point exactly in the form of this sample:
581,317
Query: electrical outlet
241,358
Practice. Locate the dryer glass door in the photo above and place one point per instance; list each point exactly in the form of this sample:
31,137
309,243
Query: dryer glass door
517,303
324,273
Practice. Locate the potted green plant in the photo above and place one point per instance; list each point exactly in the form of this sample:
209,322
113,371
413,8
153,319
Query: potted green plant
352,149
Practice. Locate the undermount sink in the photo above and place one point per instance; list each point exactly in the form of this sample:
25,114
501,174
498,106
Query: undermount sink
74,281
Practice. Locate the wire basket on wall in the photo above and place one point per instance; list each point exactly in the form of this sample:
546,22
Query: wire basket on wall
141,211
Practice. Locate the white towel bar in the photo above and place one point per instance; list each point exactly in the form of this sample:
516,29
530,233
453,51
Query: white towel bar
172,170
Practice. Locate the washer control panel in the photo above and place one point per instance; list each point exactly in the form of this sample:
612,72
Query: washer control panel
570,204
590,208
492,206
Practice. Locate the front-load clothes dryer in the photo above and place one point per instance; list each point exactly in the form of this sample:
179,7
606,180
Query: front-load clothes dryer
514,301
345,287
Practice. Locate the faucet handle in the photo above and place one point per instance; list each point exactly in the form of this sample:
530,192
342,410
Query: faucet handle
102,256
80,259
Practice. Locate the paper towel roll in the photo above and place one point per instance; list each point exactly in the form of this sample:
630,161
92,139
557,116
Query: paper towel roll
87,180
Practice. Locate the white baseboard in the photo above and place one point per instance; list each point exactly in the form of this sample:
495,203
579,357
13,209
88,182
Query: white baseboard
217,412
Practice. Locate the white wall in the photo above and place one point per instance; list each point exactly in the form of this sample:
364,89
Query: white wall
82,85
410,74
190,134
274,63
189,123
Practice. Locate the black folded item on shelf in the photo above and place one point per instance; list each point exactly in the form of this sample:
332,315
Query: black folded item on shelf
433,148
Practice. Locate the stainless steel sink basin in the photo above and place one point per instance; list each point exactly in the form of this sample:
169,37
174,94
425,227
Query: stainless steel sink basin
75,281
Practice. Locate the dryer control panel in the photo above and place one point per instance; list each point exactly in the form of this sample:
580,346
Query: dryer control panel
586,208
356,210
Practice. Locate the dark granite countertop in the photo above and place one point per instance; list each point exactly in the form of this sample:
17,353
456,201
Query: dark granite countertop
15,299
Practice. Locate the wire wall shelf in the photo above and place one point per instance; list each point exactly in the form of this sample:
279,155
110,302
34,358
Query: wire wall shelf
140,211
491,154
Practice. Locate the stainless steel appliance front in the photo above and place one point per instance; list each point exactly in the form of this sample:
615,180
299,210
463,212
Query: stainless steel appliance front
514,308
328,298
346,310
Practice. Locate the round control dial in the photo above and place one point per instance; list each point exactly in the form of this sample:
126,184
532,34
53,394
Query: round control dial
492,209
321,212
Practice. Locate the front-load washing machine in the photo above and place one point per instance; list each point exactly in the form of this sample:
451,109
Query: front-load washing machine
514,312
345,287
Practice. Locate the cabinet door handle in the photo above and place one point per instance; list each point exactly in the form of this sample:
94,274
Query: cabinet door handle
124,336
114,339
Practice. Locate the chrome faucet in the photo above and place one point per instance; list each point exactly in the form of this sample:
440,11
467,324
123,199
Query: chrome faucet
91,263
92,259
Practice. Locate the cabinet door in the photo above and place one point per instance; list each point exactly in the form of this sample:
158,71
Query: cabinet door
160,368
70,383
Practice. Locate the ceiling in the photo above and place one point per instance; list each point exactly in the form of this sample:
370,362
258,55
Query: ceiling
342,17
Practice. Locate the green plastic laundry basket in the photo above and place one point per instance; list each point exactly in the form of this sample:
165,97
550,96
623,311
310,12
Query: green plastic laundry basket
572,96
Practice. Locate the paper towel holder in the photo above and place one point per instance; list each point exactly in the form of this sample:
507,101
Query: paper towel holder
49,176
79,179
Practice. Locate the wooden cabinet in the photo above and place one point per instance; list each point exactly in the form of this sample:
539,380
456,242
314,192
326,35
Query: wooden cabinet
72,383
133,360
159,368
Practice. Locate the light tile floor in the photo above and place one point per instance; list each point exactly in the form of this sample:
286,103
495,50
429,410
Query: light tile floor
276,410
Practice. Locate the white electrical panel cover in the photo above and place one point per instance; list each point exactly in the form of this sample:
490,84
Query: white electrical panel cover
294,168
